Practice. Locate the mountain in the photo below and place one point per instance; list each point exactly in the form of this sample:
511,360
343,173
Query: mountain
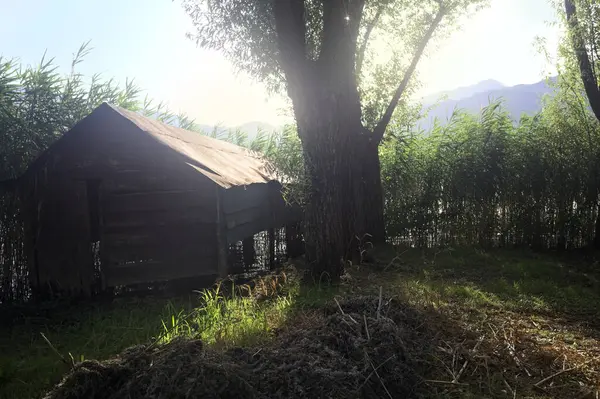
466,91
517,100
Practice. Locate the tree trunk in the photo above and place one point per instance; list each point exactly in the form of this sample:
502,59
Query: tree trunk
596,243
293,241
345,207
371,204
324,92
330,213
328,216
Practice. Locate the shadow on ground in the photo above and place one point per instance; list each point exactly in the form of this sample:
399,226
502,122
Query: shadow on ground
97,330
522,281
449,324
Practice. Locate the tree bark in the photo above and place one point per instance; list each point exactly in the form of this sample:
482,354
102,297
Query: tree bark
328,115
370,227
330,213
586,69
596,241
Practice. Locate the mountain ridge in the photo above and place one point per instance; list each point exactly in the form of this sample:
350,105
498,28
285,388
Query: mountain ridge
465,91
517,100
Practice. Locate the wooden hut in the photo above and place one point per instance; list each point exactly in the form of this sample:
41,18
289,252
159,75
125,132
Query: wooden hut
126,199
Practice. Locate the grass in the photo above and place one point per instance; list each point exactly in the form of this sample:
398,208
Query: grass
512,280
535,315
28,365
224,317
228,320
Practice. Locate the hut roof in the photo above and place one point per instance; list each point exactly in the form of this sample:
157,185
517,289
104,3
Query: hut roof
226,164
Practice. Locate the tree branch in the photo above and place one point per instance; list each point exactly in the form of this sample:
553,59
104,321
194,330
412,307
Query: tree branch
360,55
387,116
355,13
590,81
291,36
341,24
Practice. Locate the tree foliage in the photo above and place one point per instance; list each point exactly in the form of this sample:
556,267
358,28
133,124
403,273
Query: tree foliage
388,35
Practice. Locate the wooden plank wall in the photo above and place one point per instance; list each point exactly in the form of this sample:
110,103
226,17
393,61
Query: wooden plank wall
62,255
158,216
157,227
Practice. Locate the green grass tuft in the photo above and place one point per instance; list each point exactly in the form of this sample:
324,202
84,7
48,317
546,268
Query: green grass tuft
228,321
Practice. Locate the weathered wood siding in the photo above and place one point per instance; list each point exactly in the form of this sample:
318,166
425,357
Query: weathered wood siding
154,215
157,216
61,258
255,208
158,235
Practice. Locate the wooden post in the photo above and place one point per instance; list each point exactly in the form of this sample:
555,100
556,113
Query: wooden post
273,196
248,251
222,266
271,238
293,241
29,217
82,238
102,253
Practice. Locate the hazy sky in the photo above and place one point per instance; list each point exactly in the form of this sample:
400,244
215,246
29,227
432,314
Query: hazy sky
145,40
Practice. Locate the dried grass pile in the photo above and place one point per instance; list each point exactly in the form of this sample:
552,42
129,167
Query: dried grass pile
359,348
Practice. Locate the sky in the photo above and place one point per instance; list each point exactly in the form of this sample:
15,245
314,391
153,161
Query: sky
145,40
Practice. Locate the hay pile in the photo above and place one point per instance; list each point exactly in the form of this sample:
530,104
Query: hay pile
358,349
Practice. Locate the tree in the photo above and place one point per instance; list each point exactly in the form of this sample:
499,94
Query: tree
583,18
318,52
583,23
